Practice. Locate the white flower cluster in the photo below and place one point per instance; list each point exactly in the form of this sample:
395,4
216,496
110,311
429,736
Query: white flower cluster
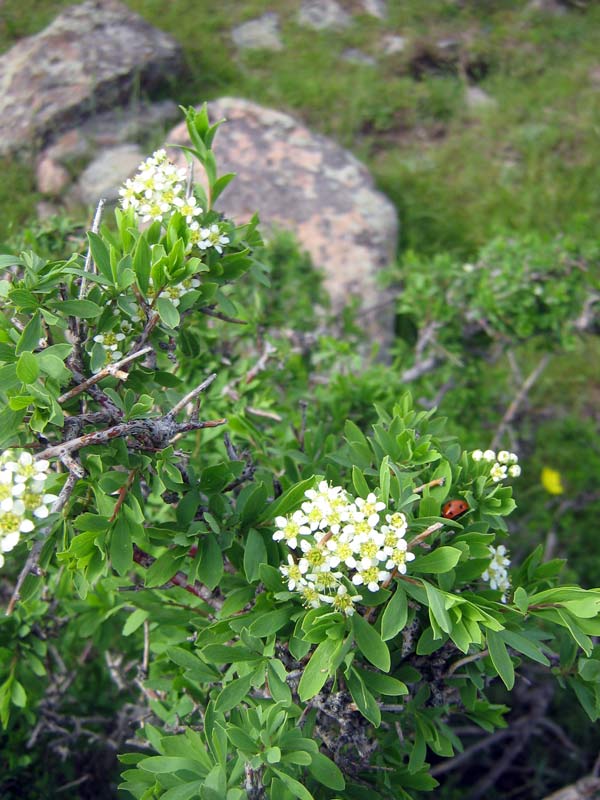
176,292
334,537
503,464
205,238
497,572
22,498
111,342
157,190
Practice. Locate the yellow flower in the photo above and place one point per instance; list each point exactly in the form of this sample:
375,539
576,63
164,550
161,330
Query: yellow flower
551,481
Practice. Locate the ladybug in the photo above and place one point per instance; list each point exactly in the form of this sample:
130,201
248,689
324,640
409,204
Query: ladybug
454,508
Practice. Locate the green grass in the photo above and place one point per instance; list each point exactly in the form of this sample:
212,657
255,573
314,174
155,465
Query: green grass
456,177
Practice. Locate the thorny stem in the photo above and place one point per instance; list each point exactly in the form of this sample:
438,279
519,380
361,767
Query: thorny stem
31,565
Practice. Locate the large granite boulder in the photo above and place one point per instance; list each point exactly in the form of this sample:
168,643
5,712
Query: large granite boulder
88,59
305,182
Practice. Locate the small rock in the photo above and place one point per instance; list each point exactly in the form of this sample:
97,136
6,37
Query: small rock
358,57
91,57
106,173
258,34
46,210
51,177
69,147
392,44
476,98
376,8
548,7
307,183
323,15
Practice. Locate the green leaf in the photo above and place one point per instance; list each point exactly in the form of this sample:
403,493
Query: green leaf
295,787
370,643
442,559
32,333
437,607
326,772
164,765
359,482
270,622
163,569
525,646
317,670
100,255
167,312
27,368
18,695
365,702
521,600
233,694
500,658
255,554
79,308
288,501
395,615
383,684
134,621
121,546
210,570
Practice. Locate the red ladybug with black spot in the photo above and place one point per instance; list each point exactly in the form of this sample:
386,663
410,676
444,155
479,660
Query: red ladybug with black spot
454,508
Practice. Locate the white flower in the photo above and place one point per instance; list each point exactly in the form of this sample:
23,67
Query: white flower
503,456
498,472
513,458
342,601
370,508
371,577
290,529
489,455
109,341
398,558
477,455
514,471
343,549
497,572
314,558
212,237
293,574
188,207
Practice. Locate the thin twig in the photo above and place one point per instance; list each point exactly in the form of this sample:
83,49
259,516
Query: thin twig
89,265
31,565
431,484
514,406
191,395
466,660
422,536
111,369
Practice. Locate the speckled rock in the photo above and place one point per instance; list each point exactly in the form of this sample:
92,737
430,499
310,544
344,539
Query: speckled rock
323,15
89,58
392,43
477,99
51,177
354,56
307,183
258,34
376,8
103,177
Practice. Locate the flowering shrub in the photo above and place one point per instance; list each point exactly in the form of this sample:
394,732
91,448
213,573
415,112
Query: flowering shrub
288,613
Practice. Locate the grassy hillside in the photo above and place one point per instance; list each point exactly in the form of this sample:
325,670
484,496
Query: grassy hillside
526,161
